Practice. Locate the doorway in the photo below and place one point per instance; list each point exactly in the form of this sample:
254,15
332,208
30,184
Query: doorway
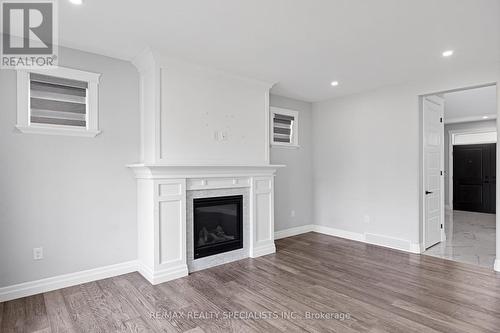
474,178
466,183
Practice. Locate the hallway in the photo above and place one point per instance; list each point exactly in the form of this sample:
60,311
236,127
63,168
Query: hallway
470,238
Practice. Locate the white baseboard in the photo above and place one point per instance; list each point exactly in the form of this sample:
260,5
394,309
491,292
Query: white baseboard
263,250
339,233
392,243
66,280
381,240
293,231
496,267
145,271
416,248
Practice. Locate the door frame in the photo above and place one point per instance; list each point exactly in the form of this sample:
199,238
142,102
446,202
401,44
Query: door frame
451,139
421,196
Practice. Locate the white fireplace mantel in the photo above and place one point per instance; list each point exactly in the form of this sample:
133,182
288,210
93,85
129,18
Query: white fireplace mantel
162,190
152,171
201,129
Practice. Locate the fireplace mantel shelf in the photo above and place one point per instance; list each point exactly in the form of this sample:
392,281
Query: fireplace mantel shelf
185,170
186,165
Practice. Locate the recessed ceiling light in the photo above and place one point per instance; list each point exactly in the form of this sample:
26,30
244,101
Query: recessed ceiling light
485,117
76,2
448,53
334,83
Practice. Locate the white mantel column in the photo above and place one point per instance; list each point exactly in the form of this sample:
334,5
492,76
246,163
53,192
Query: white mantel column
161,227
262,217
148,65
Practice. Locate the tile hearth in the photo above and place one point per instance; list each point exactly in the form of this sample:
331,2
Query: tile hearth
470,238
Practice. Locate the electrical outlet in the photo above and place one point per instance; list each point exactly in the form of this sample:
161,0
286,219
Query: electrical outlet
366,218
38,253
292,213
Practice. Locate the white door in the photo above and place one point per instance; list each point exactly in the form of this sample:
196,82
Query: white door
433,167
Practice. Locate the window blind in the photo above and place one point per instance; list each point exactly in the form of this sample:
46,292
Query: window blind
282,128
57,101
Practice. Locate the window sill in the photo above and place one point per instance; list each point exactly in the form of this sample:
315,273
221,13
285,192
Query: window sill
68,131
284,146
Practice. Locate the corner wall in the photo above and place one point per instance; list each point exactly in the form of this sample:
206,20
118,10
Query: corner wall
293,184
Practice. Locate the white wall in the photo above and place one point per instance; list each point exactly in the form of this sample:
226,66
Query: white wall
293,184
72,195
476,125
366,150
197,102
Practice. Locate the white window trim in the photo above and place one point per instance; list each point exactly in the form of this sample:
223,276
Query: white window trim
23,103
473,137
295,128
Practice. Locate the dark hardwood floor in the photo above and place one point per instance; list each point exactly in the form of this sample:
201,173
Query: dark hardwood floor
362,288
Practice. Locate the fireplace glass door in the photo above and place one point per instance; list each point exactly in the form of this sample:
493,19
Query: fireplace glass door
218,225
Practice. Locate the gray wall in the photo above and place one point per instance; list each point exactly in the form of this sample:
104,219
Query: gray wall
71,195
453,127
293,184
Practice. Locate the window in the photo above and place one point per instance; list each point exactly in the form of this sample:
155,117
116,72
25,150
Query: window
284,127
59,101
477,137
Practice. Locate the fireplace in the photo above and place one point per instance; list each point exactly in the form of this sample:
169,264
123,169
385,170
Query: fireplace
218,225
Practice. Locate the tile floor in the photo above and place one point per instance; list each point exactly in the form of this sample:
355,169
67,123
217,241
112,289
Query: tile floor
470,238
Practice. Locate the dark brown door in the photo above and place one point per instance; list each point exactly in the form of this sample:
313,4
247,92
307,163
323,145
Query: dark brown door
474,178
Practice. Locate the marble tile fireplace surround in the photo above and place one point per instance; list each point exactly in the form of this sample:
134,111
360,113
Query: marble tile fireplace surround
237,249
165,214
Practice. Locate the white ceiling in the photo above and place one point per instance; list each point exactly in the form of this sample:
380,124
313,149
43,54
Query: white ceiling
301,44
472,104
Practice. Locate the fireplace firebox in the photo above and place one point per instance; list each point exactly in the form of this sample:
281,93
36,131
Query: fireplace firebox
218,225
